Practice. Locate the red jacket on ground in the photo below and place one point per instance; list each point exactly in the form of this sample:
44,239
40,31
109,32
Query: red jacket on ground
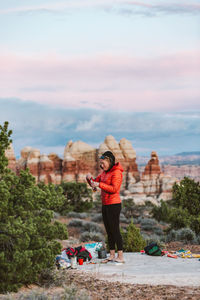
110,183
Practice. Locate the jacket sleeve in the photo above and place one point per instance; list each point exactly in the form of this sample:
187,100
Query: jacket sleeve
98,178
116,182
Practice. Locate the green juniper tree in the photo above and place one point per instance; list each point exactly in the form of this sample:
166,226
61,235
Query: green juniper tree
184,208
27,228
133,240
77,197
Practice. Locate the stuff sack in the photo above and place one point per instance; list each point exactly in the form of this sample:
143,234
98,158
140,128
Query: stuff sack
81,252
153,249
71,252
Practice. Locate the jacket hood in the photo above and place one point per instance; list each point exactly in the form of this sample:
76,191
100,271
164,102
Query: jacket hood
117,166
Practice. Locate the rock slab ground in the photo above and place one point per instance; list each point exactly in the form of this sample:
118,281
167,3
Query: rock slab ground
151,270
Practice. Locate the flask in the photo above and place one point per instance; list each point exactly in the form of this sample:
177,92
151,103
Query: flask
73,262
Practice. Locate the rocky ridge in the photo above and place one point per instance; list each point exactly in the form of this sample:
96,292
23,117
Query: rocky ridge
80,158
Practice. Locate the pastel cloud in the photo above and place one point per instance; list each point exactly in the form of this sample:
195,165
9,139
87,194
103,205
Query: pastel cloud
129,7
89,124
115,82
49,129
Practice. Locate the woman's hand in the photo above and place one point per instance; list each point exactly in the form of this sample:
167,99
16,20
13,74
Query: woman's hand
95,184
88,176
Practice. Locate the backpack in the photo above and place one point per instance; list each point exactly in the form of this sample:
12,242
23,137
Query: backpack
81,252
153,249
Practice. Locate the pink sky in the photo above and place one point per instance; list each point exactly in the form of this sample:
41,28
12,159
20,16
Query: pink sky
113,81
109,54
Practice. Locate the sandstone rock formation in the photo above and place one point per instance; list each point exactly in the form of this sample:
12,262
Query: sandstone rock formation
57,167
29,159
153,186
125,154
10,154
80,158
153,166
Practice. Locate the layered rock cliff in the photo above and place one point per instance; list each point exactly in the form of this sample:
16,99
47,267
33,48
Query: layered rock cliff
179,172
153,185
80,158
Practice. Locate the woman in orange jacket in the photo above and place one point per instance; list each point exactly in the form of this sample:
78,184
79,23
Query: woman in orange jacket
109,181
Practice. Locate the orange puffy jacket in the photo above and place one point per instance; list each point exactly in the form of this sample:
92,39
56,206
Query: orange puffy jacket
110,183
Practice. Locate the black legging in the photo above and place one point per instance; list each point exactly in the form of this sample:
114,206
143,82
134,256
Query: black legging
111,215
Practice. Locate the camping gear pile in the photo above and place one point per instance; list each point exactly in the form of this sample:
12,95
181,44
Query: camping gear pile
71,256
154,250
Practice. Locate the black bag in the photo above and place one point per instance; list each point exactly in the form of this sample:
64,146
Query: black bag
153,249
102,253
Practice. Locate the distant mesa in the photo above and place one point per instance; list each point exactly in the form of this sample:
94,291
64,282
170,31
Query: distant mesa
150,184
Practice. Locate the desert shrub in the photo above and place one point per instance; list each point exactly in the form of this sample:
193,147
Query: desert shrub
158,231
129,203
148,224
92,226
183,210
91,236
140,219
132,238
52,277
171,236
78,197
28,232
75,223
36,294
129,212
85,225
148,221
130,209
183,235
97,218
125,220
198,239
155,238
186,235
71,292
97,204
73,214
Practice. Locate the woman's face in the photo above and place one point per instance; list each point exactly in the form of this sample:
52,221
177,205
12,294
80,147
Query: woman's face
105,164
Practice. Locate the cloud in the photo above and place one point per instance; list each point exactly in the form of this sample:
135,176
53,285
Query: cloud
89,125
50,128
113,82
152,8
